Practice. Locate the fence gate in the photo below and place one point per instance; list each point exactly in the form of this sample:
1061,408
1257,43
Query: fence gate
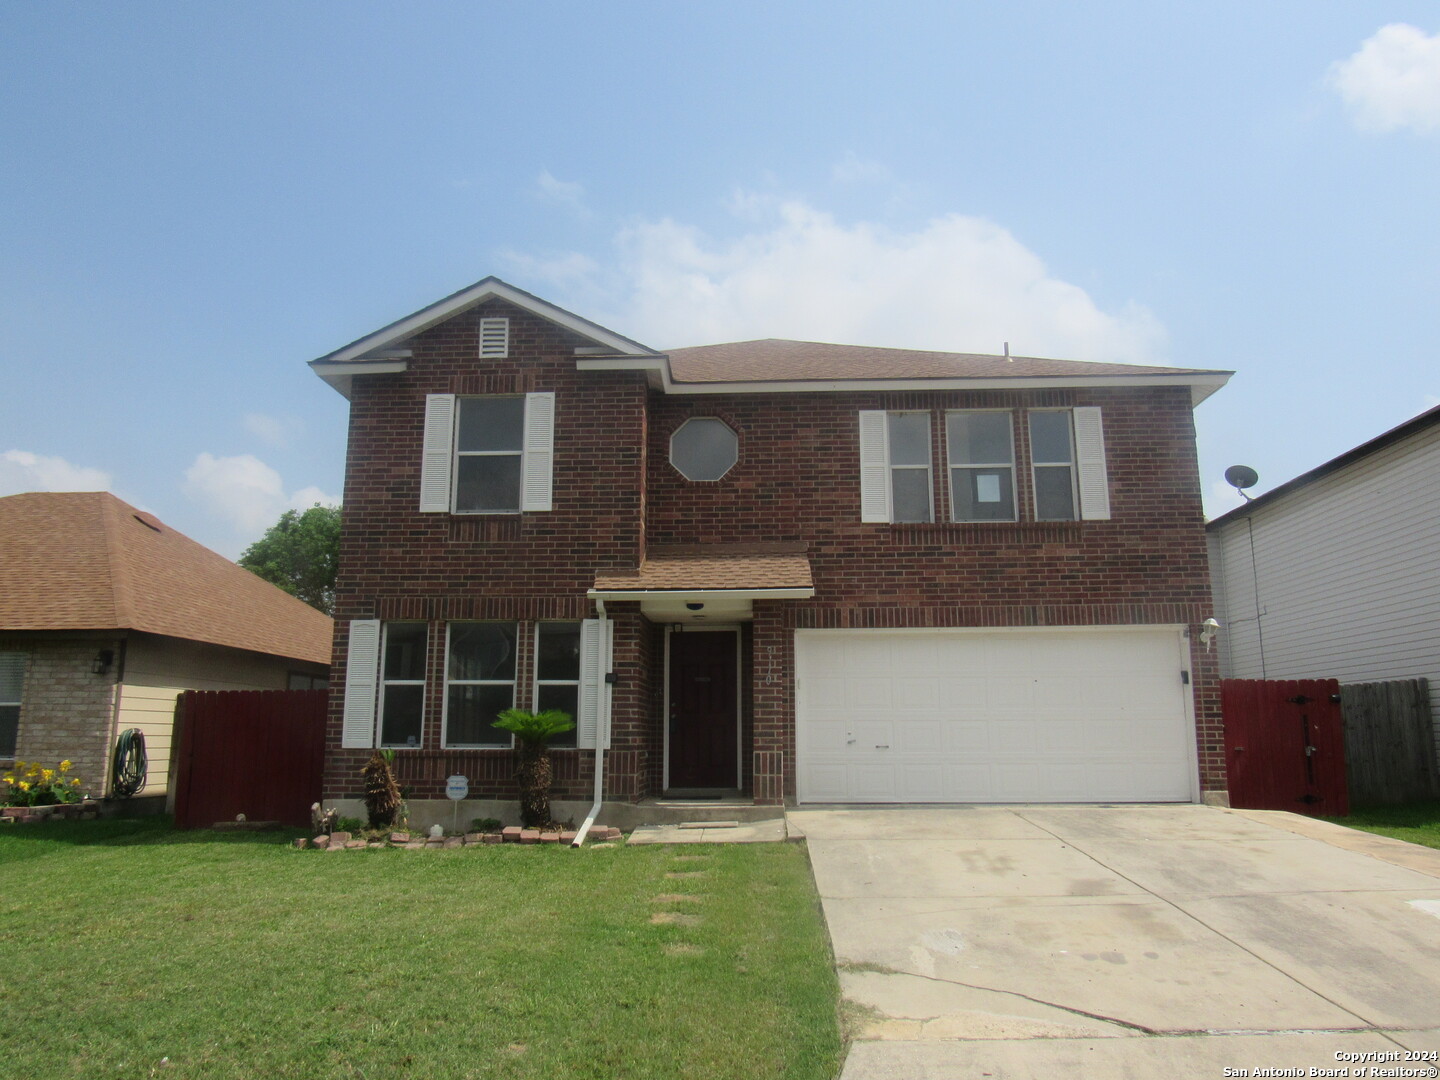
254,752
1285,745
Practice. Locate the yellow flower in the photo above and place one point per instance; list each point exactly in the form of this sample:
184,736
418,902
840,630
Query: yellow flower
33,771
9,779
24,786
47,775
75,782
65,765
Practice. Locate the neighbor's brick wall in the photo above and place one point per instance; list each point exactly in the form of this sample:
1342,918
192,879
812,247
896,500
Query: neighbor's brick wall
798,480
396,563
67,711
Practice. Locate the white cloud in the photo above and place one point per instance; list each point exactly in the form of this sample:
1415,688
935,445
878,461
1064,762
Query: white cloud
245,492
1393,81
853,169
958,283
274,431
22,471
567,193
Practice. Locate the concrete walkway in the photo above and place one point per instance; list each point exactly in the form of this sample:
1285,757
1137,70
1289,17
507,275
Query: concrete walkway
770,831
1155,941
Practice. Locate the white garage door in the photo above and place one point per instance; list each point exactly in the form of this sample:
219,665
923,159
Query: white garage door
992,716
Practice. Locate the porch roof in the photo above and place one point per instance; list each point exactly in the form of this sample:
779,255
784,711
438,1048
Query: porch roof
754,572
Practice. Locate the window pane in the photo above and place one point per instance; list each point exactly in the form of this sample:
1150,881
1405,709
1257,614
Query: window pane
911,494
9,725
470,720
405,650
558,652
909,438
12,677
400,725
487,484
981,438
482,651
564,698
1054,497
704,449
491,423
982,495
1050,438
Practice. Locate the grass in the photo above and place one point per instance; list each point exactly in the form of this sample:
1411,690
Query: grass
1417,822
133,951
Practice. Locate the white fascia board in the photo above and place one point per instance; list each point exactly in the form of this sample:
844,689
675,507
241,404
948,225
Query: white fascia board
339,375
491,287
733,594
1201,386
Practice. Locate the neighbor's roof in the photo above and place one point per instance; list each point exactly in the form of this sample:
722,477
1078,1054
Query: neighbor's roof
707,568
1427,419
777,360
89,561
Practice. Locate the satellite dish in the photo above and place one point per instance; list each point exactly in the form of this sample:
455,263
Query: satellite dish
1241,477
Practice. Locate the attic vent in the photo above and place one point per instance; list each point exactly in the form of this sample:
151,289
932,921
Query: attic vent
494,337
149,521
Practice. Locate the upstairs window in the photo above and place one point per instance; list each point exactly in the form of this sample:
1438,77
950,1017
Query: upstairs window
704,448
981,446
895,483
489,445
487,455
1052,458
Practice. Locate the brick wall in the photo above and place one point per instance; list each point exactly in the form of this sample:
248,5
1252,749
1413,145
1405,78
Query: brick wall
67,711
797,480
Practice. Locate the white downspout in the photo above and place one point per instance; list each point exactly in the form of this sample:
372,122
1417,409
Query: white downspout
602,730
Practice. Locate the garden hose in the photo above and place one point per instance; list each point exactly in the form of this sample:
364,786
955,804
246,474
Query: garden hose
127,775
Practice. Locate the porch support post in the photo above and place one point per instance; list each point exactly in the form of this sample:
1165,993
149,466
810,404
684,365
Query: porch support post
773,667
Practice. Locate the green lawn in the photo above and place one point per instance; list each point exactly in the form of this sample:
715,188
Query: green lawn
123,944
1417,822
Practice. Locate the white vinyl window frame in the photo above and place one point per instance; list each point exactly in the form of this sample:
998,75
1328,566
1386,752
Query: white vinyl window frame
1052,465
386,683
537,681
878,467
12,693
513,683
440,454
1088,472
518,453
954,467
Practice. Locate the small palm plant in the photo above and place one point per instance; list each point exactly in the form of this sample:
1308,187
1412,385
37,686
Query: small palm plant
532,770
382,794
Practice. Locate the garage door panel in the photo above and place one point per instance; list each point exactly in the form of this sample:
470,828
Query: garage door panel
987,716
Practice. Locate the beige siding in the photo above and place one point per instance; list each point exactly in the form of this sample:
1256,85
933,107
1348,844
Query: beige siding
157,670
1348,575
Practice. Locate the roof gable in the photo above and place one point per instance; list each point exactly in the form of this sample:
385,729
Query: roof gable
90,561
384,350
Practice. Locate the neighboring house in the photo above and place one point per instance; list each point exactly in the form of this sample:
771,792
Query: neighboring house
106,615
1336,573
796,571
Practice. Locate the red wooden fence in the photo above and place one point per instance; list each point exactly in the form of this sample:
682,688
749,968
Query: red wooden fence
254,752
1285,745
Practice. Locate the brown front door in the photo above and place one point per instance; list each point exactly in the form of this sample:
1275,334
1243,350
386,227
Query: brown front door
704,684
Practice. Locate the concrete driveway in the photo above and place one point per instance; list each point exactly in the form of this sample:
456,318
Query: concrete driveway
1150,941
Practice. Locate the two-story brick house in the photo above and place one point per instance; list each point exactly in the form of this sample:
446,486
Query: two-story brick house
801,572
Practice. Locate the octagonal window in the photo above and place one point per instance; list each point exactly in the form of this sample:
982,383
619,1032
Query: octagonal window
704,448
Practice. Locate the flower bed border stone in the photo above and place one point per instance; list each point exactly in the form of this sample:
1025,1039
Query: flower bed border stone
344,841
88,810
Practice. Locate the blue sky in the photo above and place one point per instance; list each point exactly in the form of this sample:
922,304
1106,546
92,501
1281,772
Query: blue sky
198,198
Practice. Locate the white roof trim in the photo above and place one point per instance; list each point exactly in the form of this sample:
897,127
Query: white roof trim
340,375
1201,385
389,338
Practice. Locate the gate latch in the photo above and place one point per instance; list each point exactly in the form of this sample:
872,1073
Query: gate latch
1309,750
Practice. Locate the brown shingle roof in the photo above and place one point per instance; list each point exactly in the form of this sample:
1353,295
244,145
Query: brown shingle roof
712,571
779,360
89,561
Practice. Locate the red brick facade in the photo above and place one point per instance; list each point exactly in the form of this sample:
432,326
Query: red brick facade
797,480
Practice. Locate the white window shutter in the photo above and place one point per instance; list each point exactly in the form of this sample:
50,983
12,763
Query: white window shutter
538,464
592,684
874,467
1093,479
362,676
437,454
494,338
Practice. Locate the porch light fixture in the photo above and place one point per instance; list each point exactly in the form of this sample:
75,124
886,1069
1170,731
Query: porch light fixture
693,606
1208,629
102,662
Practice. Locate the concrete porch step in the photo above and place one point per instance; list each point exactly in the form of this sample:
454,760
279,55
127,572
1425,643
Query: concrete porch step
662,811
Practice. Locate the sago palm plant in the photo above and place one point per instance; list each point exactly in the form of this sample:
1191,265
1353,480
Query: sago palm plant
533,772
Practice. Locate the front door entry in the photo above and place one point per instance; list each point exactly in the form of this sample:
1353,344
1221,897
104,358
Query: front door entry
704,708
